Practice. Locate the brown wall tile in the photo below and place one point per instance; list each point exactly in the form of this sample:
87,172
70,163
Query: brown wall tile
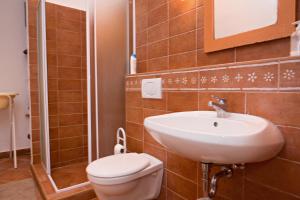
273,49
158,49
178,7
183,43
277,173
257,192
183,23
280,108
182,101
183,60
158,15
158,32
182,186
187,168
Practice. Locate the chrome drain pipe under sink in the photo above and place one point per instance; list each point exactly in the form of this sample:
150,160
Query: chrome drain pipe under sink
210,185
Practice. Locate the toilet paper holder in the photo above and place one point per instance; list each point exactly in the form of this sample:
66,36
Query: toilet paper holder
121,137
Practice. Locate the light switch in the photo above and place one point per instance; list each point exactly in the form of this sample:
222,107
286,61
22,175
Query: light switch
152,88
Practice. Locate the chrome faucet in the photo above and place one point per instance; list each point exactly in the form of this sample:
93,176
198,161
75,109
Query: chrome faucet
220,106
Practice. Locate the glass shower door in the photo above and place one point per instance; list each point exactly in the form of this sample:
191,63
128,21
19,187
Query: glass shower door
43,86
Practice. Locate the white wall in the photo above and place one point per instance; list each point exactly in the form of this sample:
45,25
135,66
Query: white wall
13,70
77,4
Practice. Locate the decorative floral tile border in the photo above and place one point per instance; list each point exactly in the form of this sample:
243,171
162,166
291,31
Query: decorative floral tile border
267,76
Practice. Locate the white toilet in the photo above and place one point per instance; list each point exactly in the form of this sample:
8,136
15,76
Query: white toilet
128,176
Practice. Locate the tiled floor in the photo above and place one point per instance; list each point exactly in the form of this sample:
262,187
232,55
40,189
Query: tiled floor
69,175
9,174
17,183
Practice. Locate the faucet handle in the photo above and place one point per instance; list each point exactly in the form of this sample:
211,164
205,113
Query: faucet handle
220,100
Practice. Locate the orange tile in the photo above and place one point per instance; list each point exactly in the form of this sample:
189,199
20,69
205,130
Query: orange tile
255,191
200,17
158,49
292,143
158,64
70,131
270,49
68,61
68,37
52,59
172,196
182,166
156,152
69,73
141,38
218,57
134,99
178,7
141,67
134,130
200,38
73,119
158,32
183,23
134,115
69,96
158,104
189,44
68,25
290,74
280,108
65,13
276,173
69,84
184,60
66,48
141,7
158,15
141,53
134,145
182,101
155,3
141,23
69,108
183,187
70,143
71,154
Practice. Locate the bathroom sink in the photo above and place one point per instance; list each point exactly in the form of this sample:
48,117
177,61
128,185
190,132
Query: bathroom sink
201,136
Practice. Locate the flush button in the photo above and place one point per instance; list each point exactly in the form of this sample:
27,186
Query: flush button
152,88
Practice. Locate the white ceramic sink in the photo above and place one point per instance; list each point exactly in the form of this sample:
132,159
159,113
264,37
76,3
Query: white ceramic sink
201,136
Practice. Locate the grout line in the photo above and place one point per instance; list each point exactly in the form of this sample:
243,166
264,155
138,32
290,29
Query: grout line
286,126
270,187
278,76
182,177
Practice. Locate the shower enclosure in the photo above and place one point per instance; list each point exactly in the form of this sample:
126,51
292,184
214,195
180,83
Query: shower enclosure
82,61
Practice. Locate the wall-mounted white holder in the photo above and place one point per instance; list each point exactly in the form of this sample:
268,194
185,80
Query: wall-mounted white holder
121,136
152,88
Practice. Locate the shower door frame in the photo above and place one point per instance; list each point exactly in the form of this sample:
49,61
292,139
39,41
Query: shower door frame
43,85
44,96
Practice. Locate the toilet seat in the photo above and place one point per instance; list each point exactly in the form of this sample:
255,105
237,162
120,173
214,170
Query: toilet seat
133,166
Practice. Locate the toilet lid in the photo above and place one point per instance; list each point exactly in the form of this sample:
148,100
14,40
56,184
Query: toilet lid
118,165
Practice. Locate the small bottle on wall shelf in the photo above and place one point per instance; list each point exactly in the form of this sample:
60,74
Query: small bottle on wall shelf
133,64
295,41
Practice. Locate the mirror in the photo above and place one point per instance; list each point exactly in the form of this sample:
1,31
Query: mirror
235,23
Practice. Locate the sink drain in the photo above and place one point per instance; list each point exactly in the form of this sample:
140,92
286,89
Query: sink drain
216,124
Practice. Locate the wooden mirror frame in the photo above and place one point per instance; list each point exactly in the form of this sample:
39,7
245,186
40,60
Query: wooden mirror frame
283,28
